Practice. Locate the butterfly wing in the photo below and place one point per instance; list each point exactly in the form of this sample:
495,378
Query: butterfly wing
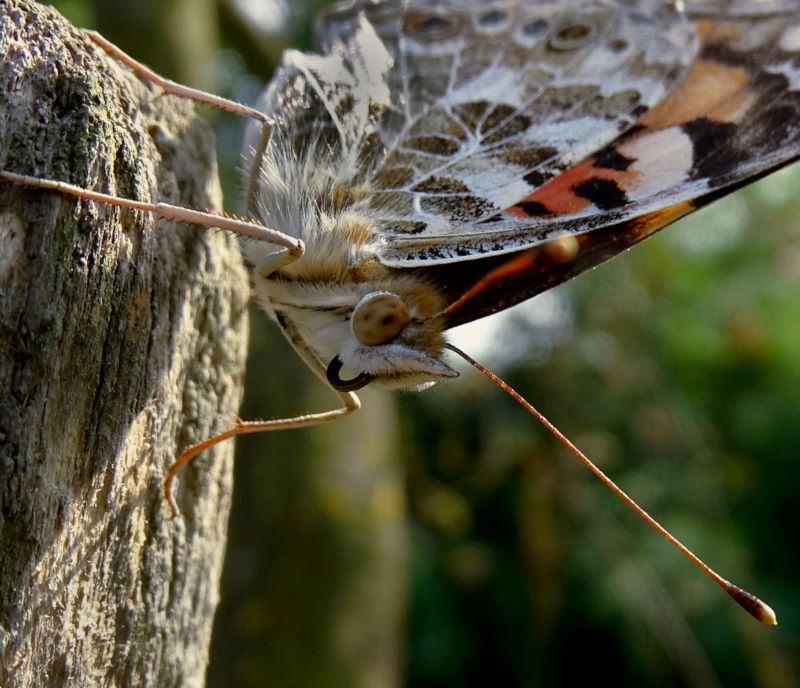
491,100
731,118
468,131
730,121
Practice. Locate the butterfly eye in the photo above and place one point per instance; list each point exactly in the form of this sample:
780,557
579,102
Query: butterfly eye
379,317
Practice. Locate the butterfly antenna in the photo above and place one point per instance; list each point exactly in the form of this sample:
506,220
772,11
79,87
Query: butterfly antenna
749,602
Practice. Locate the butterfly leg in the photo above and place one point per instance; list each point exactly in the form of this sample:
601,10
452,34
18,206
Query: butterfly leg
350,402
182,91
172,87
253,174
294,247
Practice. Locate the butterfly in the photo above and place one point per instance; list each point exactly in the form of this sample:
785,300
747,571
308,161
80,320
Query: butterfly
437,162
442,161
435,144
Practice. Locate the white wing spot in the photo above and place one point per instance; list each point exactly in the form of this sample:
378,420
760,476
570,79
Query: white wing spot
663,159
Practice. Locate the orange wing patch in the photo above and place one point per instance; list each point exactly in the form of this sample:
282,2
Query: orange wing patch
579,187
656,155
711,90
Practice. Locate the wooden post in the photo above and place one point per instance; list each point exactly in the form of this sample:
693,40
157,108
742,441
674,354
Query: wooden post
121,341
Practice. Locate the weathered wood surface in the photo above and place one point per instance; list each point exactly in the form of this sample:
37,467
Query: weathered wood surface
121,341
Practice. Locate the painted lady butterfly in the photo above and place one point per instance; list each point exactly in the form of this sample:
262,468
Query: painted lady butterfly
446,160
441,160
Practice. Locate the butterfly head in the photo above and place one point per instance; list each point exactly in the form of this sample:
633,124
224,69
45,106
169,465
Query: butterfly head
365,331
390,346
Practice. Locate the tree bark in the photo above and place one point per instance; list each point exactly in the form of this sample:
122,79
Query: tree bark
122,340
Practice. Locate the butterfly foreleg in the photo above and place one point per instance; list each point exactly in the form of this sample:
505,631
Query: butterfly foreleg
172,87
183,91
350,403
294,247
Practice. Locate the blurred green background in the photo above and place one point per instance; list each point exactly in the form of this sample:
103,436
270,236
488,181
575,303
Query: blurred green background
443,539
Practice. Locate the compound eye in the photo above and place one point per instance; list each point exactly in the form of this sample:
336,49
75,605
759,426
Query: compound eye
379,317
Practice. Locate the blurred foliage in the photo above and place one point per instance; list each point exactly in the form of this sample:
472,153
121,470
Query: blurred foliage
680,375
675,366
